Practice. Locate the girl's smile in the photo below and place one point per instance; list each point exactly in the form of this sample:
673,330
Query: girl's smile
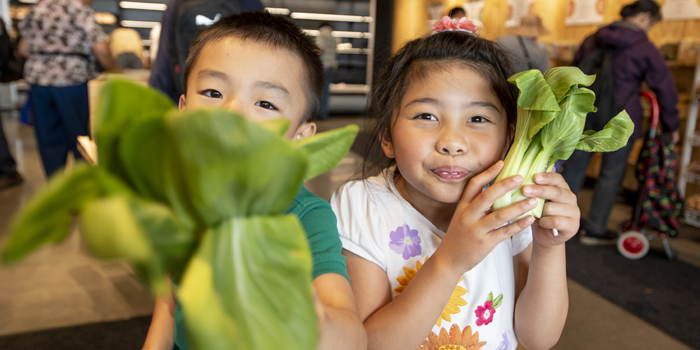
451,173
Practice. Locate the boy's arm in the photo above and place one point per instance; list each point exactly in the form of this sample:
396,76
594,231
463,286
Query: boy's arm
339,322
161,334
542,296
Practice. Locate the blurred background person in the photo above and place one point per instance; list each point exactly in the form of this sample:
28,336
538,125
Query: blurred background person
61,40
634,59
126,48
522,45
457,13
328,45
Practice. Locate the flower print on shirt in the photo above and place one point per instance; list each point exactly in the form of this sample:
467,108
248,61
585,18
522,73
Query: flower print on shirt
405,242
453,304
505,344
484,313
455,340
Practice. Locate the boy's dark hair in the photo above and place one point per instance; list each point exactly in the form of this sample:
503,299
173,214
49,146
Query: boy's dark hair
416,60
642,6
275,31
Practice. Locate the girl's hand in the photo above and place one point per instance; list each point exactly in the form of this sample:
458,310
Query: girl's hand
560,212
475,230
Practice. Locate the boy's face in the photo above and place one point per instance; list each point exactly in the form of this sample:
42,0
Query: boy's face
256,80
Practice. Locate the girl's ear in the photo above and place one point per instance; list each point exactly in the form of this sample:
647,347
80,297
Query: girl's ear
305,130
387,146
182,104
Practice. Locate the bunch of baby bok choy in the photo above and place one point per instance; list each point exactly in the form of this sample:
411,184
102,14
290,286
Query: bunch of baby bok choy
551,116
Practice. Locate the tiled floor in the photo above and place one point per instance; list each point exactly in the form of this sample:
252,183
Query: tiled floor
61,285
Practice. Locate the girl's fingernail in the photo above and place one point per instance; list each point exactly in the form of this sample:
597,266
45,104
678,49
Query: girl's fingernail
527,190
517,179
532,201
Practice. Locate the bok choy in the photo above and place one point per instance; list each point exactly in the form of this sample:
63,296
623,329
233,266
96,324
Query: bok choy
198,196
551,116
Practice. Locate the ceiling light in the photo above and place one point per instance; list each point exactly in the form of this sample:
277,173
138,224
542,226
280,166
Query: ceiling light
138,24
277,11
142,5
330,17
340,34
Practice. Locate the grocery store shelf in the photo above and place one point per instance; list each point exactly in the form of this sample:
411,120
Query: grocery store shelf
692,217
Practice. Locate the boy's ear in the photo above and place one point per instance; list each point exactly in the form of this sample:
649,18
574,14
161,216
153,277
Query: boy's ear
387,146
182,103
305,130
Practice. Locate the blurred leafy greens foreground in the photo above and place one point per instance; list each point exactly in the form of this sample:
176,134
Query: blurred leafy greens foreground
551,116
196,195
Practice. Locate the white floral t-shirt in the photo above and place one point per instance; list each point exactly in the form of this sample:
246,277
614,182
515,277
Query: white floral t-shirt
377,224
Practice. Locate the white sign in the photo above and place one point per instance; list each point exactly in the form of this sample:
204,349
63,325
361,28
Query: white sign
584,12
474,10
679,9
517,9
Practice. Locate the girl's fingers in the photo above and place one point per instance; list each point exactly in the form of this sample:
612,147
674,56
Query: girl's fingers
551,179
485,199
562,224
559,209
504,215
550,192
477,183
502,233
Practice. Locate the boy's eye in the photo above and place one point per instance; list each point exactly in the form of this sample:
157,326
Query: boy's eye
266,105
477,119
212,93
426,116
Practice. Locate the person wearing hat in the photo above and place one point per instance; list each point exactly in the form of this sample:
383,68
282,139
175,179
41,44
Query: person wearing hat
522,45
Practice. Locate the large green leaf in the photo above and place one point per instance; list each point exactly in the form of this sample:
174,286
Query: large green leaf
48,216
562,79
144,233
232,166
564,132
277,126
535,93
142,150
120,104
613,137
249,287
326,149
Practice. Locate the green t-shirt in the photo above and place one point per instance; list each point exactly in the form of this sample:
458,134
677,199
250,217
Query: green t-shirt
319,223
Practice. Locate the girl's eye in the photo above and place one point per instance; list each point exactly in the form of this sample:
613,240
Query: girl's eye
212,93
426,116
478,119
266,105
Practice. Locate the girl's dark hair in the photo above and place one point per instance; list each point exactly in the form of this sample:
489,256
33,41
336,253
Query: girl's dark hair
642,6
416,60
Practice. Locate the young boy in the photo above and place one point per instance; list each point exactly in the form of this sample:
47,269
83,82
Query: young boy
265,67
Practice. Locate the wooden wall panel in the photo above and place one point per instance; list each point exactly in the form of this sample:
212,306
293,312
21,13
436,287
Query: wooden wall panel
411,16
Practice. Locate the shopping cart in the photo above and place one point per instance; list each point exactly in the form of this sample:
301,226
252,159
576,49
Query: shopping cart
659,209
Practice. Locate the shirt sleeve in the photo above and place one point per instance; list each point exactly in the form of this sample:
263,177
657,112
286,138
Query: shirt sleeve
521,240
660,80
356,213
318,220
94,31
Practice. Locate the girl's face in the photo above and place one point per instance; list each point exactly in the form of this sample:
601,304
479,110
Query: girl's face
451,127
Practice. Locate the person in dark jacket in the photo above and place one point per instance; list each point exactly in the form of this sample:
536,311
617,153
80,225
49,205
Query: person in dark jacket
635,59
161,77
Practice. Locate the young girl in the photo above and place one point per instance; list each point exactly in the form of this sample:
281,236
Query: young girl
431,266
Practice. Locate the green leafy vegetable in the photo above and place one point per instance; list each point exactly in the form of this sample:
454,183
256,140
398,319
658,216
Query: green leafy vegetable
197,196
552,113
